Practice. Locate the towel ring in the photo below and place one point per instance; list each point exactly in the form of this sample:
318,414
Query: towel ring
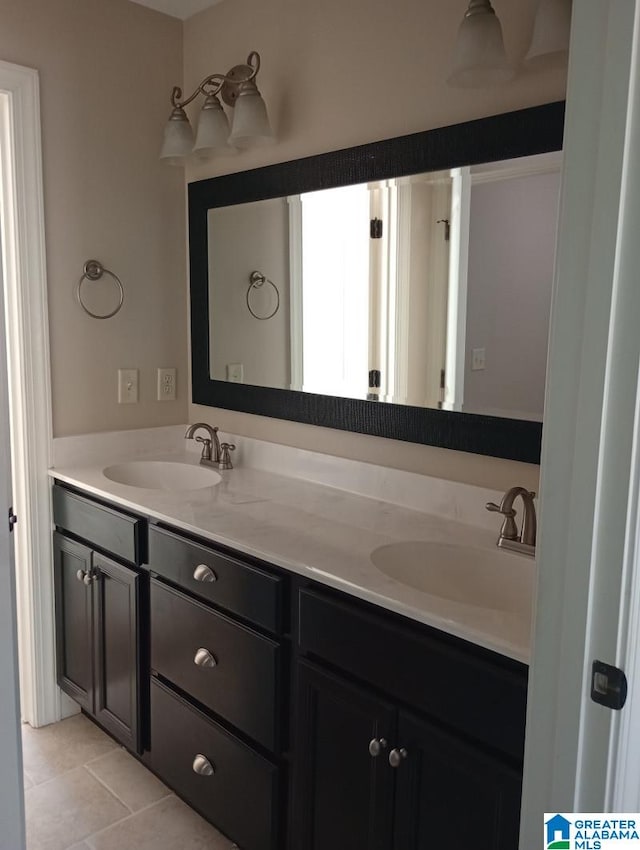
256,280
93,270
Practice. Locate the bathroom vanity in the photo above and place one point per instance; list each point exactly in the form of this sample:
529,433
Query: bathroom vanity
287,703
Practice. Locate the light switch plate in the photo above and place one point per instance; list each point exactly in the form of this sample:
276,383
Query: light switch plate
235,373
127,386
477,359
166,384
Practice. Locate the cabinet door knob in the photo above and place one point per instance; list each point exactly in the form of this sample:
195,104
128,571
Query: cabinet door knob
88,578
202,766
80,575
376,746
204,573
204,658
397,756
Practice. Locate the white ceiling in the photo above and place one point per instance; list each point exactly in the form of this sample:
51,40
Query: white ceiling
178,8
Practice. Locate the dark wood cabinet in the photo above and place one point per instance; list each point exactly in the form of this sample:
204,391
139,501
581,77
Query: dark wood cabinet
74,620
116,605
245,590
233,681
227,667
111,530
227,781
344,793
444,777
98,637
373,776
451,794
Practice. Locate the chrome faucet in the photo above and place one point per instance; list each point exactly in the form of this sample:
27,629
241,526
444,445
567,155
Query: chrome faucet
208,457
525,541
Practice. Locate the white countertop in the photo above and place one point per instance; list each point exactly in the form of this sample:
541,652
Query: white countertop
324,533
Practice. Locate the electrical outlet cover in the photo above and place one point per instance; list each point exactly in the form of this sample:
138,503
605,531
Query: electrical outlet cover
166,384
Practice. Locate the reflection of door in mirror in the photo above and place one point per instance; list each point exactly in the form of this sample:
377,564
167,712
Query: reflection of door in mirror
502,260
362,275
372,289
432,290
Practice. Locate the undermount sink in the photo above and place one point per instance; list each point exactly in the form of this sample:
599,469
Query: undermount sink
465,574
162,475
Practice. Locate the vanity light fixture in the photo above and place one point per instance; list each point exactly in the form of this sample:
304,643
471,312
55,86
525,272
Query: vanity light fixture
479,57
250,125
550,41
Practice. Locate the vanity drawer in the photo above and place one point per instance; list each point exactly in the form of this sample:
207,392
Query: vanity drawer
240,796
251,593
106,528
242,680
465,689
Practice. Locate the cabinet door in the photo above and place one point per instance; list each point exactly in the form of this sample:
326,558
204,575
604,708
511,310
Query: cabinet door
117,650
449,794
343,795
74,620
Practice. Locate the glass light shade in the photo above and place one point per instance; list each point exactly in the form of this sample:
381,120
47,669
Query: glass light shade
178,138
550,40
213,129
250,120
479,57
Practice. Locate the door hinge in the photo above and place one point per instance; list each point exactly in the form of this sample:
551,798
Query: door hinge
374,384
376,228
13,519
447,228
441,399
608,685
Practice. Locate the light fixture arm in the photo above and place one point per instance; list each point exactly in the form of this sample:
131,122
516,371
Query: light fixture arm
227,84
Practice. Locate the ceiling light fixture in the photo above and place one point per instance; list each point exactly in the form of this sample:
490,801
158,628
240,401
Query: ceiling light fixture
250,125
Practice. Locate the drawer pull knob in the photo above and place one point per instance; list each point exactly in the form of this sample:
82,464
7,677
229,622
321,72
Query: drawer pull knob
202,766
204,658
397,756
376,746
204,573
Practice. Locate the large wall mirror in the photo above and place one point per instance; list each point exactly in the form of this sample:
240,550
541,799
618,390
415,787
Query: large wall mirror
401,289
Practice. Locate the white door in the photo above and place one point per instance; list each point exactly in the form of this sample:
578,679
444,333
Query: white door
11,785
589,483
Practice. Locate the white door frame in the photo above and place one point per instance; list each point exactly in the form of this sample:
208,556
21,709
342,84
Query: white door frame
25,284
12,820
588,446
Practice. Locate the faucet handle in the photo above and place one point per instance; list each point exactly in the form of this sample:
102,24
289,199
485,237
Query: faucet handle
225,456
509,530
206,447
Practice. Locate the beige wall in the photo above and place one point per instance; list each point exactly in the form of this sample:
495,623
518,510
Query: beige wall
336,74
106,71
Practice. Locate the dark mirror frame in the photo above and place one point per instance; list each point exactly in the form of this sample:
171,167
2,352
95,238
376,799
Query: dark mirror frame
514,134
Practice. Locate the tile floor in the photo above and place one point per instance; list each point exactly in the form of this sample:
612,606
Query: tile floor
84,792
